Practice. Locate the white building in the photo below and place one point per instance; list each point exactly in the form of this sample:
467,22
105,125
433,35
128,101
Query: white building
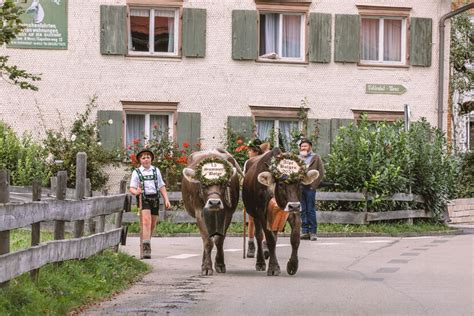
194,66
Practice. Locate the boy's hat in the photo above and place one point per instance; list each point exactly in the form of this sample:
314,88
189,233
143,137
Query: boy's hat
307,141
145,150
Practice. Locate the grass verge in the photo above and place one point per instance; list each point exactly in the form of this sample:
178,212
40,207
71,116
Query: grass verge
69,285
394,227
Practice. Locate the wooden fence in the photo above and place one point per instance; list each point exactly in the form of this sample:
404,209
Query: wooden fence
14,215
334,217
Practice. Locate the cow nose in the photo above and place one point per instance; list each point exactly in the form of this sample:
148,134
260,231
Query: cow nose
213,203
294,207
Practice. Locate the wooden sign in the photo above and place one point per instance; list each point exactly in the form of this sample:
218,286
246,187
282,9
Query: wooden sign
374,88
213,170
288,166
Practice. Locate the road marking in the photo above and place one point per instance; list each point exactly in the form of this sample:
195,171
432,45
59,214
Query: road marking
183,256
376,241
232,250
283,245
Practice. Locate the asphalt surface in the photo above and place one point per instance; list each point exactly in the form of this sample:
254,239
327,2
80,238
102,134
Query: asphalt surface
431,275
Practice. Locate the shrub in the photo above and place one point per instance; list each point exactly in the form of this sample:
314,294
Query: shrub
83,137
466,177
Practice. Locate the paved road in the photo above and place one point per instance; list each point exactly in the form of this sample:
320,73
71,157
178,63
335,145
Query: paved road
337,276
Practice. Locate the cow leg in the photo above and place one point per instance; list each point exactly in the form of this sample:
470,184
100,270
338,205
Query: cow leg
273,266
208,244
219,263
295,222
260,265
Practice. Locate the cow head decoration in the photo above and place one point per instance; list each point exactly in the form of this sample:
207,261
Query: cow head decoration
286,173
213,176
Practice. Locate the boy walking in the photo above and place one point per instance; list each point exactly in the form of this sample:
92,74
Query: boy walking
145,183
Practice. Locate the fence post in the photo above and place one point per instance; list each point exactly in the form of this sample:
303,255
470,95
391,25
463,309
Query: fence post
90,221
119,216
54,184
81,167
4,198
35,227
101,223
60,195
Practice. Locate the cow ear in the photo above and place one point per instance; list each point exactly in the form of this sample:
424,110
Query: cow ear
189,173
310,176
265,178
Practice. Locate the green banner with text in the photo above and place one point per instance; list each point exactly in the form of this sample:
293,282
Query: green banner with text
45,24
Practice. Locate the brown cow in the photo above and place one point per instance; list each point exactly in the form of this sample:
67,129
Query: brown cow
210,188
259,186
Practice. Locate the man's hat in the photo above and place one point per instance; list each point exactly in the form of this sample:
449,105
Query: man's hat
145,150
307,141
255,144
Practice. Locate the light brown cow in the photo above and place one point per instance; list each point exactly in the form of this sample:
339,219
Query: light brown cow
210,188
258,187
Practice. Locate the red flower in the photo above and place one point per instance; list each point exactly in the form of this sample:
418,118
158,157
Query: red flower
182,160
136,141
185,144
129,147
239,141
133,159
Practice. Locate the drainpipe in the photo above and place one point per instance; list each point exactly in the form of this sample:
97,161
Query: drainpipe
441,59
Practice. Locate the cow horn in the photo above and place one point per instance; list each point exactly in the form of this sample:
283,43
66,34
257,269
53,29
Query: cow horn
189,174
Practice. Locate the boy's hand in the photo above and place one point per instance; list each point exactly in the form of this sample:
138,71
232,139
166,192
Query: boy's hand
139,190
167,204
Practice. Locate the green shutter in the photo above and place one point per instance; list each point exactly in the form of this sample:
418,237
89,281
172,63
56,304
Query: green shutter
194,32
336,124
242,125
110,134
420,41
347,38
323,144
244,35
113,30
320,37
188,128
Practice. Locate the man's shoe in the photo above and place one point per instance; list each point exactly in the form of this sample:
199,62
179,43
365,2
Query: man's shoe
305,236
251,249
146,250
313,237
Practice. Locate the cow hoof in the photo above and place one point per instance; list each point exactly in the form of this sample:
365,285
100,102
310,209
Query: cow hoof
273,270
207,272
220,268
292,267
261,266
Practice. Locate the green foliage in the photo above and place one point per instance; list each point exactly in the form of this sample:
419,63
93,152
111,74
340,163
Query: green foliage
234,143
466,177
82,137
461,54
383,159
75,283
22,157
10,26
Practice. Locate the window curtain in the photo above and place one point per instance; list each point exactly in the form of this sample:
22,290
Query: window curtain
265,129
370,39
158,126
139,30
135,127
271,33
392,40
169,16
286,127
291,36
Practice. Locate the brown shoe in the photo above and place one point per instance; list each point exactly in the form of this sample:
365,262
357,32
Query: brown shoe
146,250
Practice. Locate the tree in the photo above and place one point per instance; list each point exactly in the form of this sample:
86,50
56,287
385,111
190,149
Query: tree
10,26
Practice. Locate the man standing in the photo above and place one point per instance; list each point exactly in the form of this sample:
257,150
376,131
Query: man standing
308,192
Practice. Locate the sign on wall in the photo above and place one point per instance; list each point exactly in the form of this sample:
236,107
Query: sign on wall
373,88
45,24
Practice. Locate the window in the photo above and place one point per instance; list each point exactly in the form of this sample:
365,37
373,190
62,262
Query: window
277,131
148,120
282,36
153,31
383,40
383,35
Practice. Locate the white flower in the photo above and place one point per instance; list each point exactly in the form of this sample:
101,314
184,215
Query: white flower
99,143
73,137
111,122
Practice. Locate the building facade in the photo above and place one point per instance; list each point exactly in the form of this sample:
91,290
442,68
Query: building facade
192,67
